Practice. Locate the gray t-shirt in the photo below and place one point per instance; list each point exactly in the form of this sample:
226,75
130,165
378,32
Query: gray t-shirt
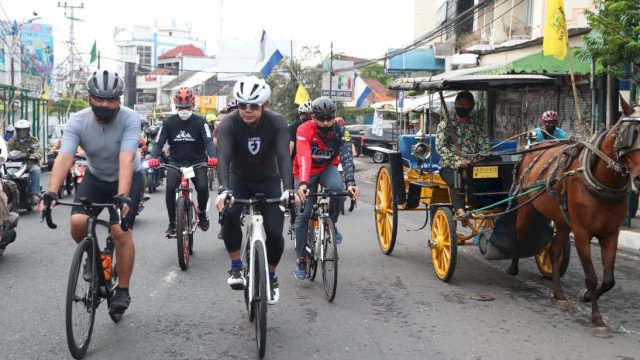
103,143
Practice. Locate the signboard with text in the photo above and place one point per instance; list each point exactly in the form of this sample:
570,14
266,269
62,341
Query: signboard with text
146,98
339,84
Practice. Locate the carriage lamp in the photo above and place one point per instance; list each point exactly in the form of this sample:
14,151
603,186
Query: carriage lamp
421,151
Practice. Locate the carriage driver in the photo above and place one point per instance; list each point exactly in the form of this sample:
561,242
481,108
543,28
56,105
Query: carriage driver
459,144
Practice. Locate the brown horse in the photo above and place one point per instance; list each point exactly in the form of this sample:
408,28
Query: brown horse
586,186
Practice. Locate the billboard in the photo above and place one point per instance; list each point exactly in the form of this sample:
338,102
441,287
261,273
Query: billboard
37,56
146,98
339,86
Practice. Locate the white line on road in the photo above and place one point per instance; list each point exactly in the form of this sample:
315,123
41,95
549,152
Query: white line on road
171,276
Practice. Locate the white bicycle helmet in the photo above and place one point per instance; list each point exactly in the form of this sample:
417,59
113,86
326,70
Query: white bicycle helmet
305,108
251,90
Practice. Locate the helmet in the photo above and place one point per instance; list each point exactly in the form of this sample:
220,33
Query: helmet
144,124
23,124
211,117
305,107
184,98
105,84
232,105
323,106
251,90
152,131
10,128
550,115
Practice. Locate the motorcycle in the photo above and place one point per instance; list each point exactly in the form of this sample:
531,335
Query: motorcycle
76,173
17,170
155,176
9,233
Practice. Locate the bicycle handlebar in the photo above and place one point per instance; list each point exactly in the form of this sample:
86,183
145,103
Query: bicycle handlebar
88,205
328,194
179,168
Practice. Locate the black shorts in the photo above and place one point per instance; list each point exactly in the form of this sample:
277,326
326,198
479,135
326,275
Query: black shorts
102,192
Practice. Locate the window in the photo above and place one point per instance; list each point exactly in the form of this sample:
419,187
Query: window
144,58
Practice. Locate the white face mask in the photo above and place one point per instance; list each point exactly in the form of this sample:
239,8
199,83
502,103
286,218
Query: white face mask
185,114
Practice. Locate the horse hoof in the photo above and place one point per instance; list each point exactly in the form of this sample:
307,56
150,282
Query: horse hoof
563,305
584,295
512,272
602,332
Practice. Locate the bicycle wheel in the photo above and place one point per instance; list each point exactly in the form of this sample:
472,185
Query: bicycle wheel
82,300
191,230
182,231
211,175
260,298
112,284
245,270
329,263
312,259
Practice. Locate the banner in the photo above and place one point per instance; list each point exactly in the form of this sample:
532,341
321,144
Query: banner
339,85
37,56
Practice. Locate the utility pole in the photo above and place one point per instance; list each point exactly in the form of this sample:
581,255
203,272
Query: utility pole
71,42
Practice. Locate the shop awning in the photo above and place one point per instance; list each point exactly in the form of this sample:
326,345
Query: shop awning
544,65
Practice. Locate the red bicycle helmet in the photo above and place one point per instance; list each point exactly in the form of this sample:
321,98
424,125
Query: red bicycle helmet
184,98
550,115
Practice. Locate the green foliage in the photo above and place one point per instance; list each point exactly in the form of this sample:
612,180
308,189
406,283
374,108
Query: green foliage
60,107
614,41
284,81
376,71
353,115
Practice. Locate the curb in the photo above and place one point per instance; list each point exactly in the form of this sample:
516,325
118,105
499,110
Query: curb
629,240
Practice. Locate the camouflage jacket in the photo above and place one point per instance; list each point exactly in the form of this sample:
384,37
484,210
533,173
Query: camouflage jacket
15,144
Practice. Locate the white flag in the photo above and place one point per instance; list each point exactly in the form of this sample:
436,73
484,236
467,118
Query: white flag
268,56
361,90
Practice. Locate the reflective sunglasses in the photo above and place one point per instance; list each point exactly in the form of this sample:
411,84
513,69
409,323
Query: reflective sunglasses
245,106
324,118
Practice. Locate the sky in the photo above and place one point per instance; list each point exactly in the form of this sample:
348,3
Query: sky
358,28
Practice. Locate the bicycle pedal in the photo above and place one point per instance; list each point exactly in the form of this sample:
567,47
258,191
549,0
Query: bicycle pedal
237,287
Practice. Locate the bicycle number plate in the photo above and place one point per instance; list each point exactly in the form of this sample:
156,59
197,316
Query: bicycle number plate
485,172
188,172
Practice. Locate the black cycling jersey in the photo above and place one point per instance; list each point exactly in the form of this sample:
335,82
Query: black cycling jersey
254,154
293,129
188,140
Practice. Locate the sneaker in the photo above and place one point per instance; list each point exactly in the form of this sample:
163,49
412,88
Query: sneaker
275,291
204,220
220,235
146,197
300,271
86,271
171,231
338,236
236,280
120,301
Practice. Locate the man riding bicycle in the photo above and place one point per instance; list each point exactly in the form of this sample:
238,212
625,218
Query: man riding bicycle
109,135
253,157
322,144
190,142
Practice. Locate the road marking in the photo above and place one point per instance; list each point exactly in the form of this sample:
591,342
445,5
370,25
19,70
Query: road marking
171,276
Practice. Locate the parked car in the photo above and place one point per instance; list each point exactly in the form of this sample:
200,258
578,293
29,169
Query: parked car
369,139
358,129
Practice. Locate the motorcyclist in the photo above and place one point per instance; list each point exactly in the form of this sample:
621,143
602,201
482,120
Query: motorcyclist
9,132
4,207
23,142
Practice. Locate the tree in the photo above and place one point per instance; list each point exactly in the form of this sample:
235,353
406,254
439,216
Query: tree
614,40
60,107
284,81
376,71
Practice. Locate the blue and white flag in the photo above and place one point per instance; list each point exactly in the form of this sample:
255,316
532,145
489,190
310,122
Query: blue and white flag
268,56
360,90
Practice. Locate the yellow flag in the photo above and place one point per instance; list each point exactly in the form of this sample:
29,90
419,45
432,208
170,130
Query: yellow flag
555,31
301,95
153,114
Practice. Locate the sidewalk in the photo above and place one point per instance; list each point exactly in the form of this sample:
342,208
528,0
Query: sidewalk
629,238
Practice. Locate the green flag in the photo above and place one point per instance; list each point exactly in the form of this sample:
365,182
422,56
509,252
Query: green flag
94,53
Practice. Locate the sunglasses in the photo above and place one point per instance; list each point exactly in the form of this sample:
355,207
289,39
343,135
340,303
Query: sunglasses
244,106
324,118
102,99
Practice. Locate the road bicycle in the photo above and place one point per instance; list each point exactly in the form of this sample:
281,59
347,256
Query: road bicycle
257,292
186,212
88,288
321,245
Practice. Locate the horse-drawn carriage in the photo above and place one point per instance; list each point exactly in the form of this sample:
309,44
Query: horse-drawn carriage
411,181
578,185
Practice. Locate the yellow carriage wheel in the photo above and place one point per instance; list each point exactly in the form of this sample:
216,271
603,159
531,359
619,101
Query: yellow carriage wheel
444,247
543,260
386,211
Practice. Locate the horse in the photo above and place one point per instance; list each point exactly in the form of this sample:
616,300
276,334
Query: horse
586,185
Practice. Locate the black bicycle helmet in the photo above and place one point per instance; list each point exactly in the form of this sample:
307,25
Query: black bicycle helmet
323,106
105,84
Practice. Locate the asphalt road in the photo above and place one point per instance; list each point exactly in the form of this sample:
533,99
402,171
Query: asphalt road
387,307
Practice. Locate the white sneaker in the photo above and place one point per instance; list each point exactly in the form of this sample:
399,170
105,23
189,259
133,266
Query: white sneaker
275,291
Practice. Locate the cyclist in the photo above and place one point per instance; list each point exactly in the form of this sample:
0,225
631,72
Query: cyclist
322,144
211,121
109,135
190,142
304,114
22,142
549,129
231,106
253,157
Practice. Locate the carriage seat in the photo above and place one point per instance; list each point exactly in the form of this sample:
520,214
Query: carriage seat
507,146
404,145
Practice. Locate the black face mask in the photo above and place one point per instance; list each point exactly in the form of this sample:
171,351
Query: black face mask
463,112
324,130
550,129
104,115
